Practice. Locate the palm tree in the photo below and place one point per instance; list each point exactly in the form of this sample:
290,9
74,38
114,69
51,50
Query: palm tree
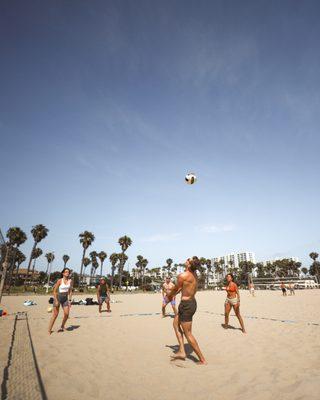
125,242
39,232
122,260
304,270
169,262
50,258
208,264
20,258
114,258
65,259
16,237
36,254
86,262
102,256
86,239
314,256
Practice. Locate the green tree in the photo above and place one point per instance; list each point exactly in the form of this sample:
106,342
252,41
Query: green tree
125,242
86,239
20,258
65,259
114,259
39,232
304,270
50,258
36,254
102,256
86,262
16,237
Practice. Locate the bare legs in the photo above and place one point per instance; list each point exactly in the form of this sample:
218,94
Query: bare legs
237,312
107,301
55,315
163,309
227,309
185,328
65,316
179,334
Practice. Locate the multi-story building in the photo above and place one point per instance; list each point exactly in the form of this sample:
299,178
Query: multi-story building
234,259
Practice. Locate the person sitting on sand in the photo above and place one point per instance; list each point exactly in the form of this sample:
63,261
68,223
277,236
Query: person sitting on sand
187,283
283,288
232,300
62,293
166,290
103,294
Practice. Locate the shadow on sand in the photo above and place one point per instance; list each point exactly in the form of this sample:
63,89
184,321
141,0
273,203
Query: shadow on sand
188,349
72,327
231,327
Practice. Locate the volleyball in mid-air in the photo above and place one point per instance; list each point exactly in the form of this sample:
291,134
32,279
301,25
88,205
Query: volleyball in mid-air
190,178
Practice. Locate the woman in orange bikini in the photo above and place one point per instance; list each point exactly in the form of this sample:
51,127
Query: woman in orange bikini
232,300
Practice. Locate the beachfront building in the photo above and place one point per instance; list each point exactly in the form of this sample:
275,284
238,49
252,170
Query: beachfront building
233,259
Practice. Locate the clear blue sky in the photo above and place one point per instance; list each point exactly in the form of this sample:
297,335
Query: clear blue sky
106,105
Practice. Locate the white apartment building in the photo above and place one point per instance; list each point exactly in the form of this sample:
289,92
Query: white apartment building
235,258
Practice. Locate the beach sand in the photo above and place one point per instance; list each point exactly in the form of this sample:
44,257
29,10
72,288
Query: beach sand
123,356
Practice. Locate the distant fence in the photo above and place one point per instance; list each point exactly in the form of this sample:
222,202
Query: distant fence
274,283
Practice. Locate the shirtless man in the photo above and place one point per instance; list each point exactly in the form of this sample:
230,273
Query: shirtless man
166,290
187,284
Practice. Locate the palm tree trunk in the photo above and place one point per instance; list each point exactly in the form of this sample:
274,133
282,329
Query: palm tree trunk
10,278
47,268
120,272
16,275
34,265
112,275
29,266
5,265
101,268
81,268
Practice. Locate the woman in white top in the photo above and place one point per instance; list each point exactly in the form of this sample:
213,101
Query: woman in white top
62,293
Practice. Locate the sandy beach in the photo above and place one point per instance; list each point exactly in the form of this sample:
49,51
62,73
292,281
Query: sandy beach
126,354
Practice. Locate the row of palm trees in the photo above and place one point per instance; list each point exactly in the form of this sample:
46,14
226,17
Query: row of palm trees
12,257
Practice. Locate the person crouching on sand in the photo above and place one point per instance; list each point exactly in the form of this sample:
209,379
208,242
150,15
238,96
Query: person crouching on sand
62,293
187,283
232,300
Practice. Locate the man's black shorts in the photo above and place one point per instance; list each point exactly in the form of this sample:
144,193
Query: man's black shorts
187,308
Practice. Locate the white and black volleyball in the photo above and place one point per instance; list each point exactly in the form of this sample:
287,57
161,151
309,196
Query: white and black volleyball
190,178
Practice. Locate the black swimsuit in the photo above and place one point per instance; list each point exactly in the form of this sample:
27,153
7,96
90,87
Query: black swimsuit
187,308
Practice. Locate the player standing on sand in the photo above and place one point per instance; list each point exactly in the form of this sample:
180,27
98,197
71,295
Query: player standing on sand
187,284
62,293
232,300
166,290
103,294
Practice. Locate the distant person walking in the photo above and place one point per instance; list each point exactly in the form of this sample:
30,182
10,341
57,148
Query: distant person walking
62,293
232,300
251,289
187,284
283,288
291,289
166,290
103,294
